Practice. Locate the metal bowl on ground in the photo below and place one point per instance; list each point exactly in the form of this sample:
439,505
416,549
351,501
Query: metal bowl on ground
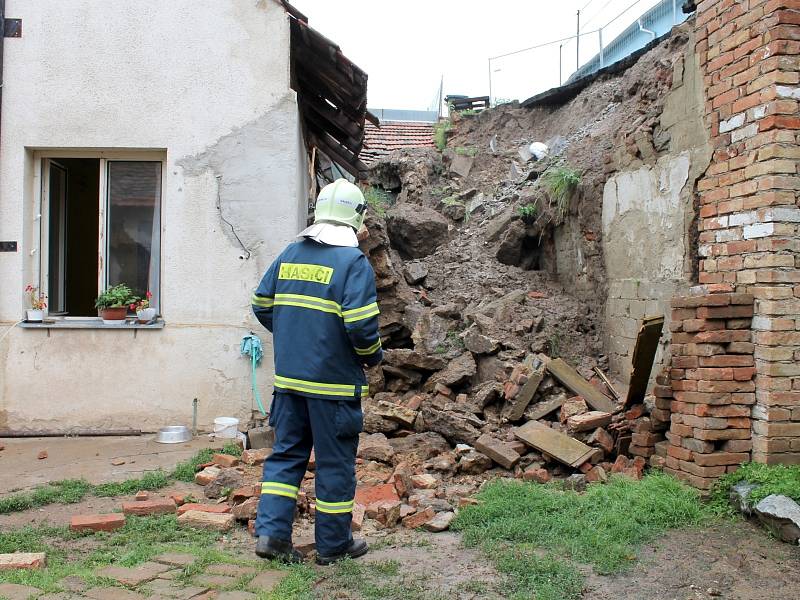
174,434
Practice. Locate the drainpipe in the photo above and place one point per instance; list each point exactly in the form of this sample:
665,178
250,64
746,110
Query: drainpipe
2,40
641,28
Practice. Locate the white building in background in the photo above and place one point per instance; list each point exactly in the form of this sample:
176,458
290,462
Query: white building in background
170,145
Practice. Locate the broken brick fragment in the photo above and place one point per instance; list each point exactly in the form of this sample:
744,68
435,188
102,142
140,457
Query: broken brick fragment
141,496
108,522
537,474
149,507
419,518
225,460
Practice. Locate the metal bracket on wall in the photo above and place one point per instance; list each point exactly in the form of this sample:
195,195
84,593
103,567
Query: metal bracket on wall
12,28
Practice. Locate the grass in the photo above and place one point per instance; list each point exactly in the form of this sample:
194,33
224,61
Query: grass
70,491
379,200
378,580
466,151
142,539
440,130
529,530
771,479
560,183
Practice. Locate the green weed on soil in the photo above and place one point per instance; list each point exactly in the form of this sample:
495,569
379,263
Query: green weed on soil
771,479
529,528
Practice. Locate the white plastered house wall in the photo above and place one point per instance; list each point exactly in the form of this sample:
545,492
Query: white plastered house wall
204,87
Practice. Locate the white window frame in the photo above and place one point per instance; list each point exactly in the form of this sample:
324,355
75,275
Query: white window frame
42,197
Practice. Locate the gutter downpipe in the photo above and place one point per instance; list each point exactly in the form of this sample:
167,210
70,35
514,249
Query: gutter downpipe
642,29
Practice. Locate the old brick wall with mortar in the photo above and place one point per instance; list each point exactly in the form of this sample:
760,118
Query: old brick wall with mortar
749,52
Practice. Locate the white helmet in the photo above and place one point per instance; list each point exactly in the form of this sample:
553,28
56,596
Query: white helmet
342,203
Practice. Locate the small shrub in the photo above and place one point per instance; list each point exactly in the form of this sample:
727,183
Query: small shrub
377,199
440,134
466,151
527,212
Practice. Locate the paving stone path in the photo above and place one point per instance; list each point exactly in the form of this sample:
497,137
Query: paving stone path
158,579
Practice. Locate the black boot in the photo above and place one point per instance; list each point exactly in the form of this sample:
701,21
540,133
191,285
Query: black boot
274,549
354,550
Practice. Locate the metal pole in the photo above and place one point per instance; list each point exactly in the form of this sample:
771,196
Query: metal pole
674,11
490,82
600,35
560,46
578,44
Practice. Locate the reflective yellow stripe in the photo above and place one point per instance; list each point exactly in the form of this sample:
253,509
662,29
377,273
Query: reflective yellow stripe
314,387
335,504
313,299
335,508
354,311
311,302
285,486
262,301
279,493
370,350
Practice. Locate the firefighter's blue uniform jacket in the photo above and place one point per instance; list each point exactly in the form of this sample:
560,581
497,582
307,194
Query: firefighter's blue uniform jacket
320,304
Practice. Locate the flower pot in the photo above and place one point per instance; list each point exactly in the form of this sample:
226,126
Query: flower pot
146,315
114,315
34,315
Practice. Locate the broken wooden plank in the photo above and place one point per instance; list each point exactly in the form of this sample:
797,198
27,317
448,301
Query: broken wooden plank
515,409
644,352
607,382
570,378
560,446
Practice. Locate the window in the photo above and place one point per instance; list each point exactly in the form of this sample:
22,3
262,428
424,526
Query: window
101,226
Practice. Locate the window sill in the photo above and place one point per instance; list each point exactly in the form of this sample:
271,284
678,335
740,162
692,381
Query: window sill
89,323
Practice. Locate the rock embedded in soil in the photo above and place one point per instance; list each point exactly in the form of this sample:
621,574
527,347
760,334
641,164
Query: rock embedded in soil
227,479
416,231
375,447
781,514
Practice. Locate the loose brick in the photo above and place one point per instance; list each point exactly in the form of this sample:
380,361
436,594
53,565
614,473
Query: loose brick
158,506
500,452
256,456
536,474
419,518
208,508
586,421
225,460
207,520
22,560
108,522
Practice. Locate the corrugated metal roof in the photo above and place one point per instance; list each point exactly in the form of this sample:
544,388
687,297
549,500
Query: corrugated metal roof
394,135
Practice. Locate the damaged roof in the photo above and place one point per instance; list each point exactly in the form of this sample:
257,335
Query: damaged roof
331,94
395,135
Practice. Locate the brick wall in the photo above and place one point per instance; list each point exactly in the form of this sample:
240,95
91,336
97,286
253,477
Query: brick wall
749,53
712,385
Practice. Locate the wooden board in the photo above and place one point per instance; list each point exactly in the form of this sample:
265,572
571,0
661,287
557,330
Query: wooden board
644,352
570,378
545,408
560,446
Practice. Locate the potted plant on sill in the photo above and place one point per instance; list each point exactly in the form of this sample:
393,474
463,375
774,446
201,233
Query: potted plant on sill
112,305
144,312
38,302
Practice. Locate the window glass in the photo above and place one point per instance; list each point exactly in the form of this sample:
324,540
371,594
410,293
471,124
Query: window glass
134,198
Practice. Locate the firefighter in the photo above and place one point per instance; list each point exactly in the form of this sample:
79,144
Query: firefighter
318,299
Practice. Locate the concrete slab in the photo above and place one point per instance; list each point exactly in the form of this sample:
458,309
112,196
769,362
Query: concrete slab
89,458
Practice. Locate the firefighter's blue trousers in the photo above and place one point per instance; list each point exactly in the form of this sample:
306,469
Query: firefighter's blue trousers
331,427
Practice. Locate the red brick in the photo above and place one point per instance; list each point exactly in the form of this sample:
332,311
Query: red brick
679,453
97,522
536,474
225,460
159,506
218,509
727,360
368,494
23,560
725,386
419,519
724,312
685,362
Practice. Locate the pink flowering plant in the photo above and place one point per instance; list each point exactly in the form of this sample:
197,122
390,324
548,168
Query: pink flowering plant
142,303
37,299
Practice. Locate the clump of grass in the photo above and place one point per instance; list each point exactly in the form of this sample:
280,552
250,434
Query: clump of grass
380,580
185,471
378,199
771,479
525,527
440,130
466,151
154,480
452,201
560,183
527,212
